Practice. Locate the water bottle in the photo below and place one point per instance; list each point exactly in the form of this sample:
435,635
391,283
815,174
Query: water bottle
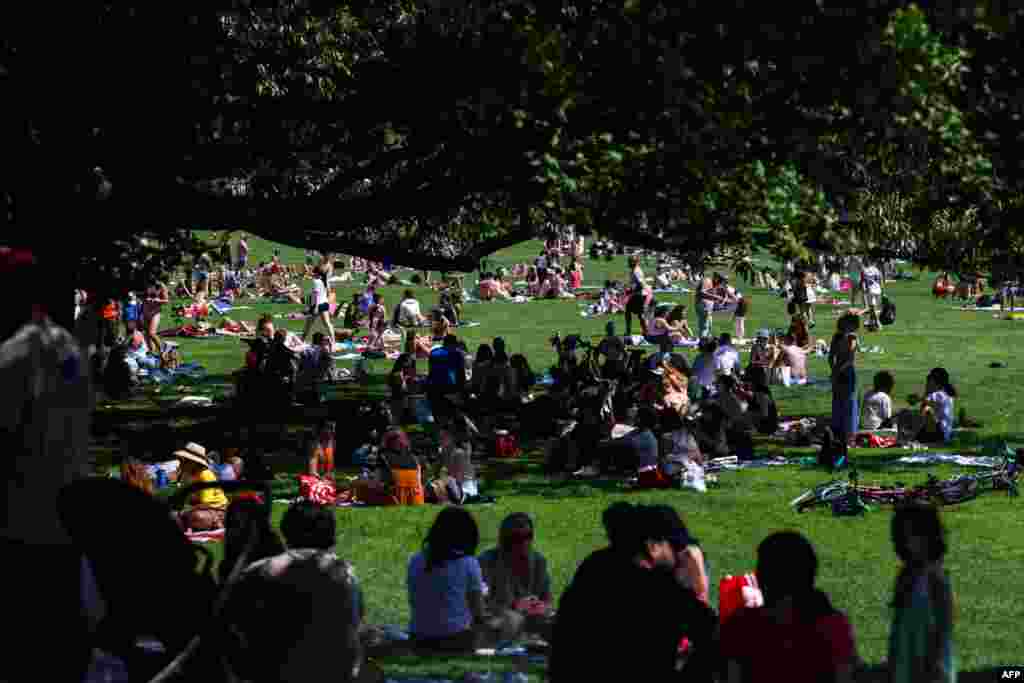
161,478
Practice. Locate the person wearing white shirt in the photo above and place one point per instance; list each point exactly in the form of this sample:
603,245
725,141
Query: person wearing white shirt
872,283
319,306
409,313
878,403
727,358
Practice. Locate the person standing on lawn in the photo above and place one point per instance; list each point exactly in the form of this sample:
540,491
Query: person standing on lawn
319,307
842,358
921,639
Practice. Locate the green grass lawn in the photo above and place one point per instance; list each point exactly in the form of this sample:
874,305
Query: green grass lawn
858,566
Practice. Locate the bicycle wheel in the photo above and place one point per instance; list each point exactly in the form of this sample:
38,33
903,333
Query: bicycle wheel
823,494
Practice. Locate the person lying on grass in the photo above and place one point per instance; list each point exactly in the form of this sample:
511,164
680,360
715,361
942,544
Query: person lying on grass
519,584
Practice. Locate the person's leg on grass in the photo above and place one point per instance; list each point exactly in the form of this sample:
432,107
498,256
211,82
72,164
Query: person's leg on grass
325,318
308,326
152,336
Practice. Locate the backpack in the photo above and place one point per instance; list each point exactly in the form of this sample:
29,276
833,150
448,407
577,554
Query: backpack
888,314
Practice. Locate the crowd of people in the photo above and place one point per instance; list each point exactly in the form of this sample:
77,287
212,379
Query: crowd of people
665,415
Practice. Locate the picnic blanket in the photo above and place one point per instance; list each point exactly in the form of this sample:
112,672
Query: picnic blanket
212,536
994,307
190,331
733,463
950,459
195,401
222,306
164,376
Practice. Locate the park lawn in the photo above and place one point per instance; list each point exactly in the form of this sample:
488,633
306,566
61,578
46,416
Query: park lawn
858,566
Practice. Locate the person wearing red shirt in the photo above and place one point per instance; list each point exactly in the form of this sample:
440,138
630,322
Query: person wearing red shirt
797,635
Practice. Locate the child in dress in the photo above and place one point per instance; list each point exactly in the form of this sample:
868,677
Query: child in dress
921,638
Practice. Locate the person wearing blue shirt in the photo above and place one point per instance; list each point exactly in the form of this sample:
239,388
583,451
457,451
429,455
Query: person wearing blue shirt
131,311
446,376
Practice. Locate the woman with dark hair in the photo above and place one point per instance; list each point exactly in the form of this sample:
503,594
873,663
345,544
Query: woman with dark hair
797,619
525,379
761,407
446,586
921,639
481,366
639,296
842,358
934,422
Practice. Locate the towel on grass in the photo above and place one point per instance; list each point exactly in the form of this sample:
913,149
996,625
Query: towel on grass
212,536
950,459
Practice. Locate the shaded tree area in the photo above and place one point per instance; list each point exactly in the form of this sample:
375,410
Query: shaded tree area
437,132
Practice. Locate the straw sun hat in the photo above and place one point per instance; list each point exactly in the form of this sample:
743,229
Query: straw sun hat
194,453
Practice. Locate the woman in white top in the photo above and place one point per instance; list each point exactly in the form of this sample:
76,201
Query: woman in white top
319,307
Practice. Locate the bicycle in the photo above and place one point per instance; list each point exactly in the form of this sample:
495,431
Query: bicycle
957,489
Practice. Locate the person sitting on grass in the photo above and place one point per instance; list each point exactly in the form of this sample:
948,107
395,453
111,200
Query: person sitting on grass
446,585
418,346
517,578
796,617
208,506
316,368
640,448
634,582
877,409
407,313
794,357
704,365
943,287
933,422
525,378
678,326
764,414
481,366
613,349
295,610
246,516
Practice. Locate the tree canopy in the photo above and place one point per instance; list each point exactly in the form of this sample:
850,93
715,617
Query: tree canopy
437,132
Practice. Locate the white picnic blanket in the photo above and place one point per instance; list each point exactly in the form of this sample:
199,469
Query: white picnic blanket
950,459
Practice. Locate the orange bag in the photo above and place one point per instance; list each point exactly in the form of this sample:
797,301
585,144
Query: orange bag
735,592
